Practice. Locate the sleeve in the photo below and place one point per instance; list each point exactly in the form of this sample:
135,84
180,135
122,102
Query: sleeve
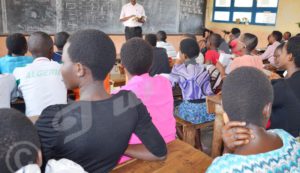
148,133
267,54
143,13
48,130
174,76
122,15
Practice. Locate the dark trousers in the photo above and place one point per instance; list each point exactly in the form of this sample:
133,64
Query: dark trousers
131,32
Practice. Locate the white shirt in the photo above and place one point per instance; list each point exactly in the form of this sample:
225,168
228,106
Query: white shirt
7,86
128,10
169,48
41,84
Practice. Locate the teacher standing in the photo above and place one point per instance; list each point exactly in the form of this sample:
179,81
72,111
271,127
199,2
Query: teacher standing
133,17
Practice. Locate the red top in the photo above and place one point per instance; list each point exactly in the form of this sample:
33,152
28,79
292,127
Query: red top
212,55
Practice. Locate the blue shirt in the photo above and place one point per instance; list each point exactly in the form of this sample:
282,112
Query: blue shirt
284,159
9,63
57,57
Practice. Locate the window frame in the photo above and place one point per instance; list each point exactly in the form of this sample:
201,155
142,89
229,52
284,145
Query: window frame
254,9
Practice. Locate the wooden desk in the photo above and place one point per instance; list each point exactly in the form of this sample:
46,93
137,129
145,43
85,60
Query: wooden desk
214,106
182,158
118,79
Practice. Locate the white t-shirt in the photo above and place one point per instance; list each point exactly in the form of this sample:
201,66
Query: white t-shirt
169,48
41,84
7,86
128,10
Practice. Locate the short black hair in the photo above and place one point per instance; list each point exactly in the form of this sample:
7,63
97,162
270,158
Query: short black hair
277,35
293,47
298,35
245,93
161,36
60,39
18,136
189,47
137,56
40,44
236,32
288,33
151,38
191,36
93,49
16,44
250,40
206,30
215,39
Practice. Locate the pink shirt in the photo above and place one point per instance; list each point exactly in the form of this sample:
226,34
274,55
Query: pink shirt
156,94
269,53
247,60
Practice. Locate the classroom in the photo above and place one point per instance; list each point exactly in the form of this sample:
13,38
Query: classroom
140,86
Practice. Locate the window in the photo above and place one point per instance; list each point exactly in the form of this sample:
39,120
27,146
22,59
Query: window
254,12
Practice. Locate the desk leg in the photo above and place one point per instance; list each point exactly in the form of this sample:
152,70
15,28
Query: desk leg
189,133
217,136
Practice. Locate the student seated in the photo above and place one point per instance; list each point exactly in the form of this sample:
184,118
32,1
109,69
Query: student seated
212,55
94,131
162,43
21,149
194,82
17,48
7,88
60,40
247,100
233,40
285,110
274,40
40,82
155,92
160,63
245,45
286,36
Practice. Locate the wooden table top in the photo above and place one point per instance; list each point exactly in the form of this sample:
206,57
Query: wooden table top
182,158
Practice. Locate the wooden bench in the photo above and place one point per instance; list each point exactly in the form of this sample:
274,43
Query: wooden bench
190,133
182,158
214,106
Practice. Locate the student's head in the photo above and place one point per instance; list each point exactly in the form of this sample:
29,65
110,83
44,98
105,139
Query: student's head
247,43
151,39
235,33
214,41
206,33
161,36
133,2
88,56
60,39
136,56
19,144
287,35
279,58
189,48
291,52
298,35
275,36
247,96
16,44
40,44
